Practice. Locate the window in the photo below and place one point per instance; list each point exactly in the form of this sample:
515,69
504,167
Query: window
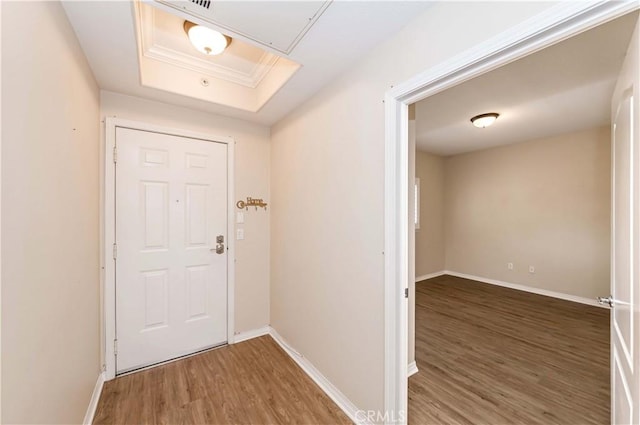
416,200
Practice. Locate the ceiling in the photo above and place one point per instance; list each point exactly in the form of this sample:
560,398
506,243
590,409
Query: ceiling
107,33
244,76
563,88
275,25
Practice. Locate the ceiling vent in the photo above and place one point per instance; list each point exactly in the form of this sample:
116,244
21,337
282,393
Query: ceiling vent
277,26
203,3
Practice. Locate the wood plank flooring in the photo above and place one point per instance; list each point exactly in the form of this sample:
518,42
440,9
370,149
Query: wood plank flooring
492,355
253,382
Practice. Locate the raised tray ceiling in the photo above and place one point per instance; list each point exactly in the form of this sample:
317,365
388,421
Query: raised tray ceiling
245,76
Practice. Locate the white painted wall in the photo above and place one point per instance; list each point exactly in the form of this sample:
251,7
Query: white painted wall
327,164
251,179
50,201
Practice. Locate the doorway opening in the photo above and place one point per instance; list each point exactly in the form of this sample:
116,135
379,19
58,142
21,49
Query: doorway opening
515,246
399,209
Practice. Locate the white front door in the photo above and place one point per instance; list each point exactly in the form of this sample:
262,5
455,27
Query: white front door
625,290
171,284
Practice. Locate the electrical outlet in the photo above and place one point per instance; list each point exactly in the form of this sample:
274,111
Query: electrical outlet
510,266
532,269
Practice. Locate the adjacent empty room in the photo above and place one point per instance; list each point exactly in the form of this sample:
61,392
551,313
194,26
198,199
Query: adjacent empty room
512,209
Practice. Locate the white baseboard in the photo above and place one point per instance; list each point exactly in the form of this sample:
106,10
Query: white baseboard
93,403
243,336
430,275
334,393
567,297
412,369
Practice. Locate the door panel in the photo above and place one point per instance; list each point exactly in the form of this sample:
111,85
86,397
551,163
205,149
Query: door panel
622,266
623,408
171,285
154,202
196,207
156,299
197,278
625,293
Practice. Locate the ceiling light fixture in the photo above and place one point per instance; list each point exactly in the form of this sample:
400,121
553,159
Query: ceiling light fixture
206,40
484,120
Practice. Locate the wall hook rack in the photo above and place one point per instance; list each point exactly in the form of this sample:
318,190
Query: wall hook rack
251,202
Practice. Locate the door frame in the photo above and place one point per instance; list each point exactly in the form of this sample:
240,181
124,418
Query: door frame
555,24
109,228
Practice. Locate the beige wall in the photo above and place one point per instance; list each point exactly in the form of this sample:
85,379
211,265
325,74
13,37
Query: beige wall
251,179
327,165
428,254
544,203
50,198
430,241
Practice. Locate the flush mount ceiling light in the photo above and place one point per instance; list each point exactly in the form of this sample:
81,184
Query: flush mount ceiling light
484,120
206,40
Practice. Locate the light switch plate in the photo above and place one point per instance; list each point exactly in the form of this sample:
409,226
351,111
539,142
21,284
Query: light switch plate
240,218
239,234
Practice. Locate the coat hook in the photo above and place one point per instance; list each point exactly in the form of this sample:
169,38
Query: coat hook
251,202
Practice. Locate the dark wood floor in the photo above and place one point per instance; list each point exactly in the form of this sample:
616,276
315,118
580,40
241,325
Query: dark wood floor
491,355
253,382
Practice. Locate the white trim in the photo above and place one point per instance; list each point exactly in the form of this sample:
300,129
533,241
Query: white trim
231,238
109,227
412,369
93,403
555,24
109,299
525,288
430,275
329,389
396,258
254,333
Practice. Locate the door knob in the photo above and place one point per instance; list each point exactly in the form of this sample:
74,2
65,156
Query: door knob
219,245
606,301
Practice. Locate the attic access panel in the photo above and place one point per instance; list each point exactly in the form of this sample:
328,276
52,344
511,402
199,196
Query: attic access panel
277,25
